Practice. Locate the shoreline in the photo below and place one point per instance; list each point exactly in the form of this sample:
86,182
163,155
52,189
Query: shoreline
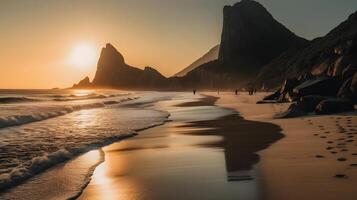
195,127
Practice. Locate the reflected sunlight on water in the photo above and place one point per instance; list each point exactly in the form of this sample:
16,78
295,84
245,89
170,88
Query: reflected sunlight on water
82,92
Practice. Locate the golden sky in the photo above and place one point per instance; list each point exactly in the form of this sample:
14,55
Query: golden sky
38,37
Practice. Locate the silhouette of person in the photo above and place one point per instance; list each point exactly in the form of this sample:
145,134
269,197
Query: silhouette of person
236,92
194,92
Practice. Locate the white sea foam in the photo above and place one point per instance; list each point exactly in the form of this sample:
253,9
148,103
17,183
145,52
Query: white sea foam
14,120
69,131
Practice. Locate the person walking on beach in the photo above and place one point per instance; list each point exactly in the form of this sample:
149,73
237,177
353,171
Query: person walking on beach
236,92
194,92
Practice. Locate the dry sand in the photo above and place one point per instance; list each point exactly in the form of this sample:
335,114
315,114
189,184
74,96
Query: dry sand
315,149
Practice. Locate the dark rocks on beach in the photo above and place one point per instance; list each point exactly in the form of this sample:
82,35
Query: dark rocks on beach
353,88
309,103
330,106
293,111
289,85
323,86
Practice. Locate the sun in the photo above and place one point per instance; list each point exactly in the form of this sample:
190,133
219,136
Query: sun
83,56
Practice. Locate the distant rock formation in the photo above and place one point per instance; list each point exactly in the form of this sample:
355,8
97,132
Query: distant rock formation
211,55
84,83
255,50
113,72
251,38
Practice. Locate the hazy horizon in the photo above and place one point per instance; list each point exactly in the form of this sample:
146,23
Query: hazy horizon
43,41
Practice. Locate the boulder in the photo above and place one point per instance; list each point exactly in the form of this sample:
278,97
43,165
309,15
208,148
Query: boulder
323,86
293,111
330,106
353,88
348,72
345,90
273,96
289,85
309,103
305,77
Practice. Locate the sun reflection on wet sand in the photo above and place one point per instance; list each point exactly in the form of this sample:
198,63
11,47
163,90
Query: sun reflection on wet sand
168,163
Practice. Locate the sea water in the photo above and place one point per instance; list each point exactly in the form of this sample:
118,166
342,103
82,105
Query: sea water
40,129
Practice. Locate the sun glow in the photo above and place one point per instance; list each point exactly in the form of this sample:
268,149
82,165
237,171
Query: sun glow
83,56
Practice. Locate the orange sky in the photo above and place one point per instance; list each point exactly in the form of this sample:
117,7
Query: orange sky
37,36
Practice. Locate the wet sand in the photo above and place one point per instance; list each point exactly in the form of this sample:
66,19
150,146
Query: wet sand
316,158
204,152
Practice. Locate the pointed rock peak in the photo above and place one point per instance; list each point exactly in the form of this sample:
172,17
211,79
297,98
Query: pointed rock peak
110,46
86,79
109,52
248,8
83,83
250,31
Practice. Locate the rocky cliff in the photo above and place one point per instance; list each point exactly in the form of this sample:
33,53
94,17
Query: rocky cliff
113,72
251,38
332,55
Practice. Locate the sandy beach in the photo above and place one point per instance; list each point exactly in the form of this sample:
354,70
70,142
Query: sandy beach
217,159
315,149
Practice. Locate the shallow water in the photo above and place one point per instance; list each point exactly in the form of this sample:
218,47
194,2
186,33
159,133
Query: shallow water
31,148
168,162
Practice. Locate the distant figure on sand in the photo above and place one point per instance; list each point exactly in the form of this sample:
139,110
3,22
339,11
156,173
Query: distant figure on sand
252,91
236,92
194,92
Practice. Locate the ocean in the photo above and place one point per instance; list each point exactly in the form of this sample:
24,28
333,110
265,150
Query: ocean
42,128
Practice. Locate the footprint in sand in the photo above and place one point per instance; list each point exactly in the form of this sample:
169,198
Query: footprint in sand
320,156
353,165
341,159
344,150
323,137
329,148
349,140
354,154
340,176
329,142
333,152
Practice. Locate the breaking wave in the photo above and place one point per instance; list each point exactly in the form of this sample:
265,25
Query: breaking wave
4,100
15,120
41,163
